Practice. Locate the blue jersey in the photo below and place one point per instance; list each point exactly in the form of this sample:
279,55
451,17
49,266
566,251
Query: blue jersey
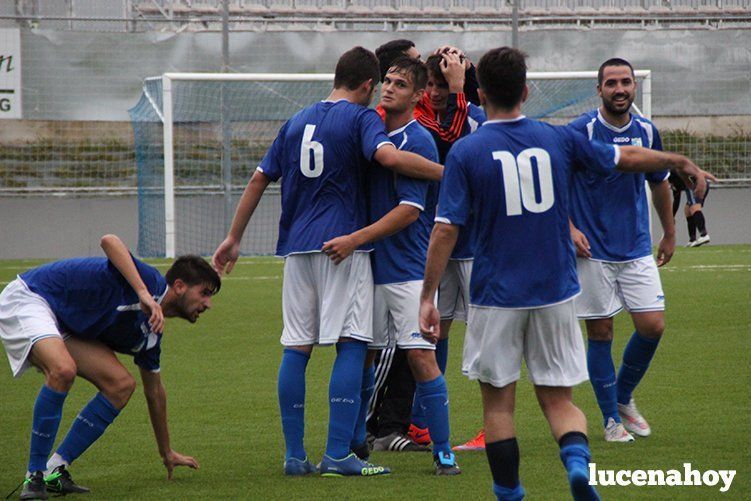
321,154
92,300
612,211
513,177
401,257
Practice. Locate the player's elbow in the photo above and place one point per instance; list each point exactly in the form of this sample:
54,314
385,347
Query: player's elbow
387,157
108,240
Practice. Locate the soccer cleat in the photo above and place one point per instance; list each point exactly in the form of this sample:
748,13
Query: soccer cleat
351,466
445,464
298,467
615,432
578,479
362,451
33,487
476,444
419,435
633,421
398,443
691,243
704,239
60,482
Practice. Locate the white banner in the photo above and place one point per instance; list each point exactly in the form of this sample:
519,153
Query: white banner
10,73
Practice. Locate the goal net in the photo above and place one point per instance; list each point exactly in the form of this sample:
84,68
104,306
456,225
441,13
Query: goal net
199,137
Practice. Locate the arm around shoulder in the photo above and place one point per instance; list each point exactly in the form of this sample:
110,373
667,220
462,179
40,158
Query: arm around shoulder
408,163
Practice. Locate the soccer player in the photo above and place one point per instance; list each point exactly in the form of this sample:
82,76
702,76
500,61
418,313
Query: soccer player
402,209
68,318
321,155
610,218
444,80
512,175
693,211
392,404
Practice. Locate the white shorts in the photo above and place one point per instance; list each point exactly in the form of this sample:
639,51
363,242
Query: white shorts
548,338
322,301
396,311
453,291
609,287
25,318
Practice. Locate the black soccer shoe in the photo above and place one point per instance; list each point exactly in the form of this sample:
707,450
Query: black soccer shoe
362,451
60,482
33,487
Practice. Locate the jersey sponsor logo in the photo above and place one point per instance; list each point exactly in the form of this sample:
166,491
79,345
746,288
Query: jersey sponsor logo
636,141
621,139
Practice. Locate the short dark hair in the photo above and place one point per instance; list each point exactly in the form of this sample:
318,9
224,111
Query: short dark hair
390,52
433,64
415,68
194,270
502,74
356,66
613,61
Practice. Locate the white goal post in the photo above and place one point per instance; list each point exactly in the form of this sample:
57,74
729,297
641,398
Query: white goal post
168,111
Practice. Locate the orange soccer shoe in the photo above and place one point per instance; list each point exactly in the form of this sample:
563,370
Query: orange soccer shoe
476,444
419,435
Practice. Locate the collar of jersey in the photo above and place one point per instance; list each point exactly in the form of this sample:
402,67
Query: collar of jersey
612,127
161,298
330,101
504,120
400,129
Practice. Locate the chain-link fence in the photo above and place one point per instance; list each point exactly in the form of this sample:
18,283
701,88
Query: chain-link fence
78,78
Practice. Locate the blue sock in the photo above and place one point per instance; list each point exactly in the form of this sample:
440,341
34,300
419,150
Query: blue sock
366,392
291,388
575,451
636,357
48,410
576,456
434,399
344,396
506,494
602,377
442,354
88,426
418,417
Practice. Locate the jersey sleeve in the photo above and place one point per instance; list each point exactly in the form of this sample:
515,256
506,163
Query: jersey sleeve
410,191
453,198
372,132
591,155
149,357
271,165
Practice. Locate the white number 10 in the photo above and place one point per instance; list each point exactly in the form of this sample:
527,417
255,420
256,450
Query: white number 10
306,147
519,182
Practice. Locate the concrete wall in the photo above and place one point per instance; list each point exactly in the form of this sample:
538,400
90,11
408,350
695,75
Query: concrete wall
58,227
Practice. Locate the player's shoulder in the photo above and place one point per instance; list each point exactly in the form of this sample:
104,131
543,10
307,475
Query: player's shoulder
419,133
645,123
476,113
581,122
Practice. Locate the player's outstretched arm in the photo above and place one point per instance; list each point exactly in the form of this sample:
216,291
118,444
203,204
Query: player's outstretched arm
156,400
398,218
225,256
580,241
638,159
119,255
662,199
442,242
408,164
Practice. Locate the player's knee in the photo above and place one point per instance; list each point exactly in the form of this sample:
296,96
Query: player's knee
654,330
120,390
423,364
600,332
61,375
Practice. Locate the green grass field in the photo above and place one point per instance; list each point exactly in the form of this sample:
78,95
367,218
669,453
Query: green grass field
220,376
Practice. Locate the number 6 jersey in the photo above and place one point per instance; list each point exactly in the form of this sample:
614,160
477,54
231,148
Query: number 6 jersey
321,154
513,177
